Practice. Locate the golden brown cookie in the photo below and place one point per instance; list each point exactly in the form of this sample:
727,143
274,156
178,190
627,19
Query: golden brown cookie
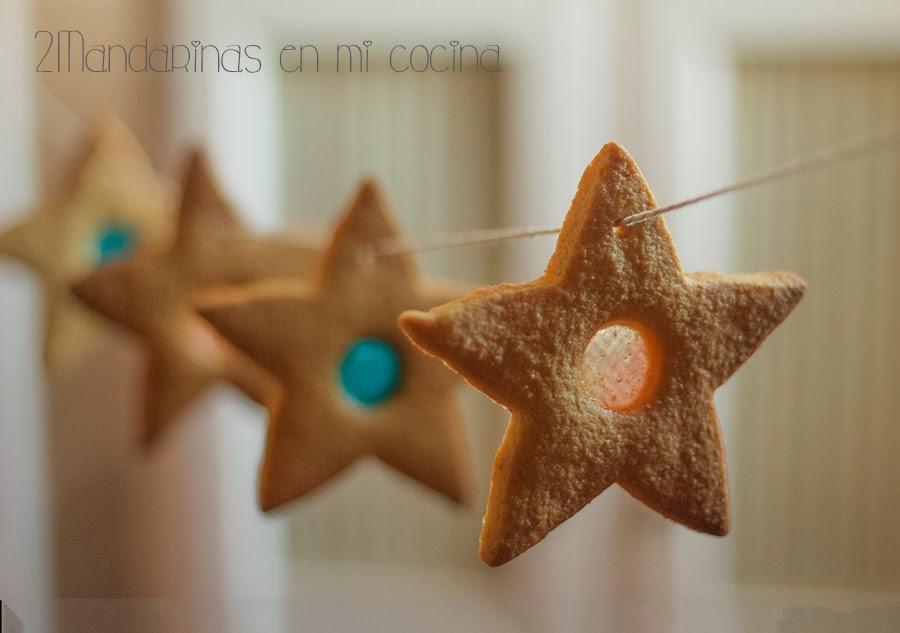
607,363
152,295
353,384
115,205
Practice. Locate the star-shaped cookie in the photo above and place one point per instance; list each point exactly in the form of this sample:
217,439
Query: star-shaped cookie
353,385
152,294
115,204
607,363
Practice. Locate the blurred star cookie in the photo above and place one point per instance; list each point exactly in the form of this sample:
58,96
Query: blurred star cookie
152,295
607,363
115,205
353,385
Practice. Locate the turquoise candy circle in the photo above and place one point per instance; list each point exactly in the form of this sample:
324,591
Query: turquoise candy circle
114,240
370,371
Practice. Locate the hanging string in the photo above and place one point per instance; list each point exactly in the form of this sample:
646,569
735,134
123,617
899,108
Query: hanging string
839,153
861,146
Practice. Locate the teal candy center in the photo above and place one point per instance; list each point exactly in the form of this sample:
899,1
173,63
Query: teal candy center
370,371
114,240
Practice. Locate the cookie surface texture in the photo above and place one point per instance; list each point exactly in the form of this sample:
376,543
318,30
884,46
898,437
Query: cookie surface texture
645,420
152,294
353,384
114,205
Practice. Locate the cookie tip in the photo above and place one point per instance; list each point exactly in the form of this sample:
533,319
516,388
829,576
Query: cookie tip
461,493
269,496
213,303
416,324
208,307
613,147
716,524
148,437
494,556
720,528
197,182
792,288
7,241
613,152
87,290
80,288
194,163
266,505
797,283
368,194
368,187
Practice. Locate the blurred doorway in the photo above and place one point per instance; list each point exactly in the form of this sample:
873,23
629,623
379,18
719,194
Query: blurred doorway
818,444
431,140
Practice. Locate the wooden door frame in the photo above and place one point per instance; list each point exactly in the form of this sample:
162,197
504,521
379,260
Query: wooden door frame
25,577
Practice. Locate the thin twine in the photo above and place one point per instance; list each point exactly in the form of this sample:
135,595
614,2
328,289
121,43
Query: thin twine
853,149
397,246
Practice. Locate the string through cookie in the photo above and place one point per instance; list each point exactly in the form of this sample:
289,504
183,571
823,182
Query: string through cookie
439,241
839,153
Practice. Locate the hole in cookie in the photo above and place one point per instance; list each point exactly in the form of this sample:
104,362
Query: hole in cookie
370,371
113,240
620,369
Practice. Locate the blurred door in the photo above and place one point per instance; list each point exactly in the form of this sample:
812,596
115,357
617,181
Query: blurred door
24,520
818,443
431,141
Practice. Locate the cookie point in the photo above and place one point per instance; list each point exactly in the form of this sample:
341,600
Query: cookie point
213,305
208,310
268,497
415,323
81,289
612,146
719,525
611,154
196,173
89,289
797,283
267,505
368,187
792,287
461,495
7,242
413,315
462,499
725,525
613,150
367,193
148,436
494,556
195,161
